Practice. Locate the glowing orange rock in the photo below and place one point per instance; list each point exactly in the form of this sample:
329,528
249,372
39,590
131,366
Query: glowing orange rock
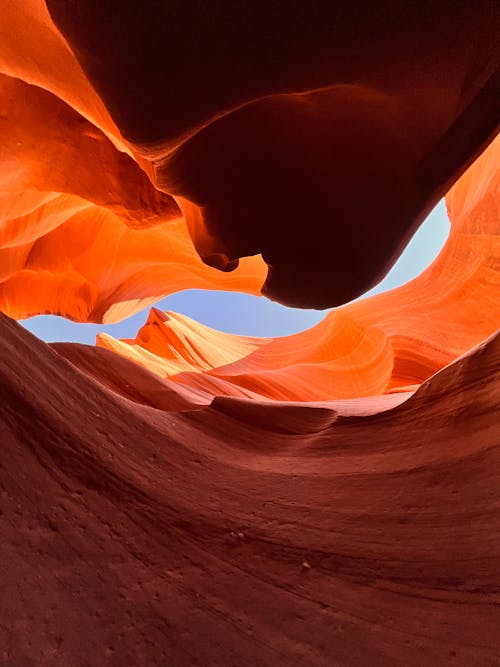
455,303
393,341
33,50
335,359
74,241
75,274
83,232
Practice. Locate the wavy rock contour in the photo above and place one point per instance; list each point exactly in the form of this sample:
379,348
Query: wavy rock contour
388,342
214,535
191,497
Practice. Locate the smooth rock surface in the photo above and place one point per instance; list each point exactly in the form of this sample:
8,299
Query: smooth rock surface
132,535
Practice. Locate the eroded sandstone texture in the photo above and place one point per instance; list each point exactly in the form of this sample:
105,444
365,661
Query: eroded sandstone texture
191,497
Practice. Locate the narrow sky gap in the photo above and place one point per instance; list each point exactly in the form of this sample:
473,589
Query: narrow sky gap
245,314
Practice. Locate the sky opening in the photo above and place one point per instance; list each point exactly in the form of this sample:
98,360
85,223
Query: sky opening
237,313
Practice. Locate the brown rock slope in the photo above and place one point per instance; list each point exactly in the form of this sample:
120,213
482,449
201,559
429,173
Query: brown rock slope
131,535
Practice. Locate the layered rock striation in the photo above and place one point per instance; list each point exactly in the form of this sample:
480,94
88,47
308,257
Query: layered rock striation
192,497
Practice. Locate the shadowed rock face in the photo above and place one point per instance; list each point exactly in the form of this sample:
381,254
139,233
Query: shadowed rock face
190,497
341,127
321,147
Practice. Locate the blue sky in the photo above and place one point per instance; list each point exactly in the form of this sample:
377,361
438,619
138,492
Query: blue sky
244,314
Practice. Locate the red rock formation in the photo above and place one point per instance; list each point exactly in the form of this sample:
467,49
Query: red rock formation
132,535
326,118
80,222
201,498
335,359
77,242
319,127
391,341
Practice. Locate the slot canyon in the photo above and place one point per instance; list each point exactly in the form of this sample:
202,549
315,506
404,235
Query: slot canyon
190,496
